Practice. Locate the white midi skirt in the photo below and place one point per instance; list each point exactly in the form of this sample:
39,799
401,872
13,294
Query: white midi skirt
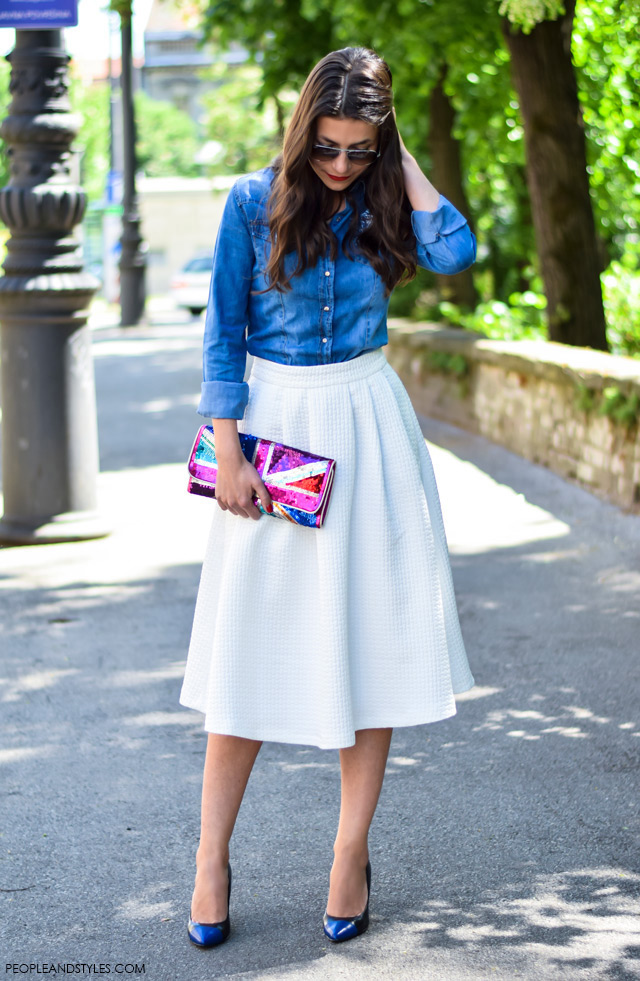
305,635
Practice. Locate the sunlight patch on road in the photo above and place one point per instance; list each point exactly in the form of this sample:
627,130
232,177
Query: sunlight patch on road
479,691
126,679
561,722
481,514
34,681
162,719
20,753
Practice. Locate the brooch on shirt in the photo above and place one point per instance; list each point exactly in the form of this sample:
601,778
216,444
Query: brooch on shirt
364,221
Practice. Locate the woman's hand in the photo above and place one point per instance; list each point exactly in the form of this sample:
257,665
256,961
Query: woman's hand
237,483
420,191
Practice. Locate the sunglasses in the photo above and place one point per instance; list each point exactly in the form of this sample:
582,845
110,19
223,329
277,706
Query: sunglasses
320,152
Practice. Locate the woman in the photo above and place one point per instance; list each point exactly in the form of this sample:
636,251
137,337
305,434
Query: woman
332,636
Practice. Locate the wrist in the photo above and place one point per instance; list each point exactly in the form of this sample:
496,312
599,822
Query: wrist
407,158
228,449
230,454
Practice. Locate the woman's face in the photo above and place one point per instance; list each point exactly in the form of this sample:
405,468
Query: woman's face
351,134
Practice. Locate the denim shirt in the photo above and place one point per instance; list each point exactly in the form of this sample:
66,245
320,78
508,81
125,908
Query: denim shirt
334,311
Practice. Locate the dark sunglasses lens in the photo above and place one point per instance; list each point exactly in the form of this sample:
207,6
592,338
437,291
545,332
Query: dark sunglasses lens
325,152
360,155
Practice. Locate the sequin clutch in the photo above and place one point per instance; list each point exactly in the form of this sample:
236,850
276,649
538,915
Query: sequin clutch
299,483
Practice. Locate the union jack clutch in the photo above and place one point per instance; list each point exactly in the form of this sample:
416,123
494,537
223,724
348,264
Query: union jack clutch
299,483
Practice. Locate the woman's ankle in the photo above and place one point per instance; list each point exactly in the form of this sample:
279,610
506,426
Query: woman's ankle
351,851
212,857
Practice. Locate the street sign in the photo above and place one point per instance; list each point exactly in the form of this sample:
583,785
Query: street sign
38,14
114,188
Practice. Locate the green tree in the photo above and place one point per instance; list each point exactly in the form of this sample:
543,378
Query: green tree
247,131
92,142
5,73
167,141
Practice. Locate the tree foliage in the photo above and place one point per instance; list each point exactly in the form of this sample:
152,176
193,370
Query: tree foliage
525,14
167,141
122,7
247,131
92,142
606,52
5,72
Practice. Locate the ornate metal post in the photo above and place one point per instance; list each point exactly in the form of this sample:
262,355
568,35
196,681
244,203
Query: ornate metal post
132,257
49,432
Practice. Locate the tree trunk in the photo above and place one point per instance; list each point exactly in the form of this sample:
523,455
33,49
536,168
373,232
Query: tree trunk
544,78
447,177
525,227
279,116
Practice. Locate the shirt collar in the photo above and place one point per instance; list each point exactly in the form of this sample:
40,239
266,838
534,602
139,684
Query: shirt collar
357,192
358,189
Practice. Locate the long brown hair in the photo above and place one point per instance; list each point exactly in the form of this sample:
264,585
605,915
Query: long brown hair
352,83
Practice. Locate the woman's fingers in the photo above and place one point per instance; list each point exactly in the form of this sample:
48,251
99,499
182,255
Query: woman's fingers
236,491
264,495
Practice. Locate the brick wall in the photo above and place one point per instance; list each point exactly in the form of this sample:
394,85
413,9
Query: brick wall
572,409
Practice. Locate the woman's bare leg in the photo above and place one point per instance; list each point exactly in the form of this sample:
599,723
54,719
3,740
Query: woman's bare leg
228,763
362,769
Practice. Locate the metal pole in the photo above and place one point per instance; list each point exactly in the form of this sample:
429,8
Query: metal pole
133,255
49,431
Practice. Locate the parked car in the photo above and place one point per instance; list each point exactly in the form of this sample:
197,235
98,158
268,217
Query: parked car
190,287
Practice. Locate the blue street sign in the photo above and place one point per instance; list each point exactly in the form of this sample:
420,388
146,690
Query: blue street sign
114,187
25,14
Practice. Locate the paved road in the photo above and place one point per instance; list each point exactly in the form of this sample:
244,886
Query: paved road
506,841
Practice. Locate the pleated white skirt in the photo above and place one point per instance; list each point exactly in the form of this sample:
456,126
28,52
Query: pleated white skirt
304,635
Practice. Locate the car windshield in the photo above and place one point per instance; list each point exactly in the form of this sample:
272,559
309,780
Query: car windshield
200,264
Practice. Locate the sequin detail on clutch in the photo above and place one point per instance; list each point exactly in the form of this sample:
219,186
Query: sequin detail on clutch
299,482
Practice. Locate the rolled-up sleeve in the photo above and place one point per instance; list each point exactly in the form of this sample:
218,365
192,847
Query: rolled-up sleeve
224,394
444,241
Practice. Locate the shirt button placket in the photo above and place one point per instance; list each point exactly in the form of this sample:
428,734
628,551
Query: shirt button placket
326,318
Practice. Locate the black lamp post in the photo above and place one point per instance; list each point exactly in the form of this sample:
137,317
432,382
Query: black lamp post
49,432
133,254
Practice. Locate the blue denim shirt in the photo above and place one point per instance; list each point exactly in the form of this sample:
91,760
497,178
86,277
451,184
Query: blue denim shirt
334,311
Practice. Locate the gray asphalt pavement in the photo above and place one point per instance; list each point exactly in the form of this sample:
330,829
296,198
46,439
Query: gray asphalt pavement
506,840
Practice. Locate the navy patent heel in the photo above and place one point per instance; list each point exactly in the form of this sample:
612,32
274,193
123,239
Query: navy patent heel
337,929
210,934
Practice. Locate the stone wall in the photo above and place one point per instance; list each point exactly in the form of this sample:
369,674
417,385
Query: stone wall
574,410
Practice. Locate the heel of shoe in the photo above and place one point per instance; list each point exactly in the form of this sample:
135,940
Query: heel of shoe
211,934
338,930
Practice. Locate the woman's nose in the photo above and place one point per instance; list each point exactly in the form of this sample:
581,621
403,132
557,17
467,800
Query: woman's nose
341,164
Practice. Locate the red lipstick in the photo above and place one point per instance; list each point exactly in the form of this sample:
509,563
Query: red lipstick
339,178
